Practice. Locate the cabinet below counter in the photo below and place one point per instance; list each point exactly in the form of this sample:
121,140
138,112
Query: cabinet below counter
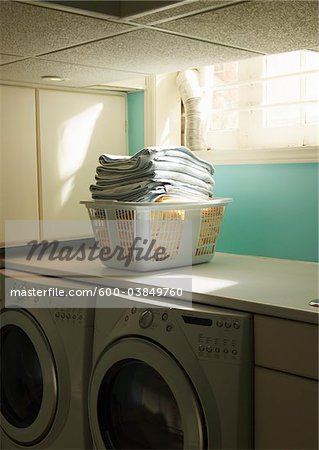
286,384
286,411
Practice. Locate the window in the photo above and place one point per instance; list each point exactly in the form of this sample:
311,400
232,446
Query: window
225,97
268,102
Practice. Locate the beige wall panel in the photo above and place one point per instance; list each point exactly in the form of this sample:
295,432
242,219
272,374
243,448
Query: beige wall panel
18,163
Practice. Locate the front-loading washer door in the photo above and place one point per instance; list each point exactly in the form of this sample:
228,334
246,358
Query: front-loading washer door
141,398
28,379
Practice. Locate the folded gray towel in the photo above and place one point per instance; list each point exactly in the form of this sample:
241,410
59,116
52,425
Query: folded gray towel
151,173
144,156
167,177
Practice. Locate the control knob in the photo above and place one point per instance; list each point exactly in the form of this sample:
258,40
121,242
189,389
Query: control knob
146,318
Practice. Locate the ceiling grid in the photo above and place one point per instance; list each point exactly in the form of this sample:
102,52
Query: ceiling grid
88,48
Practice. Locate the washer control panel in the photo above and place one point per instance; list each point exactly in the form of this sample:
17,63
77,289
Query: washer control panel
225,339
225,348
213,336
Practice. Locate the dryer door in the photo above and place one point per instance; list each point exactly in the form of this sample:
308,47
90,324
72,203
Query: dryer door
141,398
28,379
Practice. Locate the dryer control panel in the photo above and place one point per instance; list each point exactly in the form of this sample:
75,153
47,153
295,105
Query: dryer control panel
69,315
225,338
27,294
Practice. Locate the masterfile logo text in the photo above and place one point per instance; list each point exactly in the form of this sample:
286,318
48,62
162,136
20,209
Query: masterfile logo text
140,249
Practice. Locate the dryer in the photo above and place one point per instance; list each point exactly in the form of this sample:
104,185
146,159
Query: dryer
172,378
46,358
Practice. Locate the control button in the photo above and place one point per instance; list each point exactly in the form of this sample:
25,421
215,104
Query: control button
146,319
68,316
209,348
227,324
236,325
133,310
201,348
220,323
164,316
169,327
217,350
57,314
62,315
80,317
74,316
126,318
225,350
234,352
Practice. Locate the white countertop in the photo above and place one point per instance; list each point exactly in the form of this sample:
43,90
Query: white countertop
275,287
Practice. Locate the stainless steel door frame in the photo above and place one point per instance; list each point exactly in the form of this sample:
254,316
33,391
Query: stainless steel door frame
168,368
41,425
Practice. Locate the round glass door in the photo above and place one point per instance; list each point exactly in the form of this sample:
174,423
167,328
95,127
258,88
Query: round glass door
140,398
21,378
28,379
137,409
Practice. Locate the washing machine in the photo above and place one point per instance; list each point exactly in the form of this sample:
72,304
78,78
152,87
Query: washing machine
46,358
172,378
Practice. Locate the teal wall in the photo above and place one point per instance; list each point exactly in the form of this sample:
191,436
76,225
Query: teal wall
274,213
135,107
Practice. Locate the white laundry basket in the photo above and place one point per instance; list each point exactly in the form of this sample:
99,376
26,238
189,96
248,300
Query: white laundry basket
187,231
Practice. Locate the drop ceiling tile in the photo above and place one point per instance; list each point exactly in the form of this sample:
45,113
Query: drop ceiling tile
4,59
188,8
32,30
31,70
149,51
271,26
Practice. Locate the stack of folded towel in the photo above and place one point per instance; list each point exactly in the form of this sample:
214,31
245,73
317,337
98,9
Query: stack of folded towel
154,174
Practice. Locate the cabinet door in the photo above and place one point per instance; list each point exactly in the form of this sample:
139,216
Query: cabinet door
286,411
18,165
286,345
75,129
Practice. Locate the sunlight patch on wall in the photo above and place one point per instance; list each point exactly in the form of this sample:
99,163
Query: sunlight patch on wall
74,137
66,189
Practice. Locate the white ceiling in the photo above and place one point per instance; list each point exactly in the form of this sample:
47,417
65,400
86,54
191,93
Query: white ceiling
88,48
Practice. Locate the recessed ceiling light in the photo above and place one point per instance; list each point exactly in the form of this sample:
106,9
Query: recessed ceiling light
53,78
